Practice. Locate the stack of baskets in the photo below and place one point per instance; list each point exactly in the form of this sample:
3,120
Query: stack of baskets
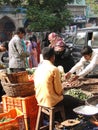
17,84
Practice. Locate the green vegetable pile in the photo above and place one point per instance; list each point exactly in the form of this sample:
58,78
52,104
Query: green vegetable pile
77,93
4,119
31,70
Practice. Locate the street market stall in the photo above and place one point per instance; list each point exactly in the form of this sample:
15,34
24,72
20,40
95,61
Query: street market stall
20,94
85,90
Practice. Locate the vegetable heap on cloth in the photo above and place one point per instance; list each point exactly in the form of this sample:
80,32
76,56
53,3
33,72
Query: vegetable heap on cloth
78,93
66,83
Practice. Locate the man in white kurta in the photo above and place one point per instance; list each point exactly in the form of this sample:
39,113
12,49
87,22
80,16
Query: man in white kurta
88,55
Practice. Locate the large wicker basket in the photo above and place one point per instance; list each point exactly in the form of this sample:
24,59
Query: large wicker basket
18,89
19,77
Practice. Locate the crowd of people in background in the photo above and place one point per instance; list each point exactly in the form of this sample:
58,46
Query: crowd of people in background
24,51
32,45
20,45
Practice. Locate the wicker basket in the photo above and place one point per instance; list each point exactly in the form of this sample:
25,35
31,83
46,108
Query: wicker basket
19,89
19,77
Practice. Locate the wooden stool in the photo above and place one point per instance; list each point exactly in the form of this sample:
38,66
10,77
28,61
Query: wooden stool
51,113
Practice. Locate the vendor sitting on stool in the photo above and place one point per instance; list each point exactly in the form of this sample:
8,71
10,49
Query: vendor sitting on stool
47,82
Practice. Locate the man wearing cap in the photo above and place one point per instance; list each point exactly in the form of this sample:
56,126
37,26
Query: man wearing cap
63,56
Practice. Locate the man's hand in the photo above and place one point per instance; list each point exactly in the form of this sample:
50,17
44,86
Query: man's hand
67,75
74,78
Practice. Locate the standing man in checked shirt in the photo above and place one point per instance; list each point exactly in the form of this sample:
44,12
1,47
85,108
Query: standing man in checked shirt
17,55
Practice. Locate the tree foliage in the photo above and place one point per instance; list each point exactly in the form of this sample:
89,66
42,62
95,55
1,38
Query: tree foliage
93,5
14,3
48,14
44,14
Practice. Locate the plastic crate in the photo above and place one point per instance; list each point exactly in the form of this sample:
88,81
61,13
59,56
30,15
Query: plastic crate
27,105
30,121
16,122
1,107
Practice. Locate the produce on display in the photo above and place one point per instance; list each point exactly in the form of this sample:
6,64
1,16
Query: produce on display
31,70
5,119
77,93
31,73
66,83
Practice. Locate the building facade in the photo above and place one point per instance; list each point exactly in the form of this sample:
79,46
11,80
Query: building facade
83,14
9,22
78,10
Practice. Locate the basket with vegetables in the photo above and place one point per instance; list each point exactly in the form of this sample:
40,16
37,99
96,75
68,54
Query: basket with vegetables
12,120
